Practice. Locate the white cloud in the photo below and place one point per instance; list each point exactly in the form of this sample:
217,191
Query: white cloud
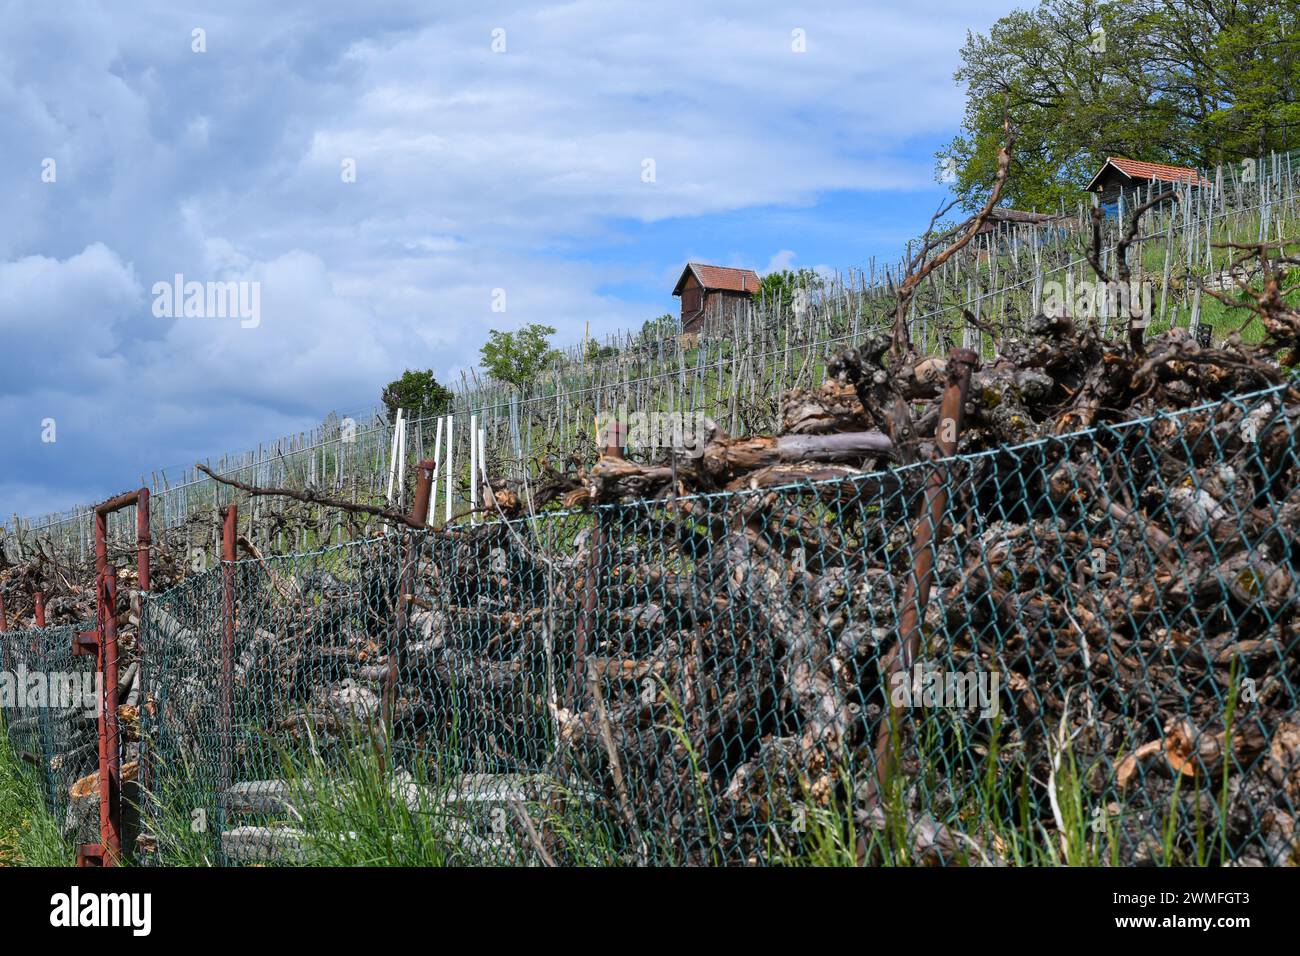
780,261
58,317
475,171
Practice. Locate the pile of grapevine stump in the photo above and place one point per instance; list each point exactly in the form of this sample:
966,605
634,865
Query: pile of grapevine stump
1134,586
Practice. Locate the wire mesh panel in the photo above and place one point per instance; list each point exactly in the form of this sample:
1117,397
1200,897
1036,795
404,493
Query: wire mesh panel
51,699
1082,649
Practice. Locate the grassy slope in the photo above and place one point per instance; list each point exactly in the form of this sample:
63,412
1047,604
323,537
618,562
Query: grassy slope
29,836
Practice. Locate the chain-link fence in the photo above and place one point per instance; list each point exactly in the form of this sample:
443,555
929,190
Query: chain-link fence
1094,660
50,700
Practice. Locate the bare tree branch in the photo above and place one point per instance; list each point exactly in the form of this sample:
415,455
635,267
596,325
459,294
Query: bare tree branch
311,498
921,264
1123,270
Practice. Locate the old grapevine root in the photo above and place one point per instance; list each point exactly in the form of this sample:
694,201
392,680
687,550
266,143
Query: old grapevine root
1150,566
1121,583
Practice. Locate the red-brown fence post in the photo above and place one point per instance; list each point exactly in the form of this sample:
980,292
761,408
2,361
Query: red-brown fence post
94,642
143,538
40,618
4,626
228,530
916,589
423,487
417,521
110,783
102,642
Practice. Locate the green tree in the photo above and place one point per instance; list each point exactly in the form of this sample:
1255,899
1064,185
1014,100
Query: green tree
417,392
595,351
779,288
1189,83
664,327
517,357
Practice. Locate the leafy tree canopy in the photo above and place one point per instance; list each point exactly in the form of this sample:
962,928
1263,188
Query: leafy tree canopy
1189,83
518,357
664,327
779,287
417,392
595,351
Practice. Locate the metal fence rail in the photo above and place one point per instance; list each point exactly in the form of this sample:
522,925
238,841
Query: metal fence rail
1106,671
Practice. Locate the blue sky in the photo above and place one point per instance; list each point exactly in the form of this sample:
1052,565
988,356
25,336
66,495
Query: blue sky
780,135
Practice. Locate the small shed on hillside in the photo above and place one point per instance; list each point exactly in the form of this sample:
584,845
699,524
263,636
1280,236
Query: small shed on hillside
1131,177
714,295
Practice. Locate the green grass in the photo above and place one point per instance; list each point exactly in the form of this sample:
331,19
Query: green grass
996,810
352,812
183,838
29,836
346,808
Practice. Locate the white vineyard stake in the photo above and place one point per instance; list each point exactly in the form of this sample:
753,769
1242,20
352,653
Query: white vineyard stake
437,470
450,435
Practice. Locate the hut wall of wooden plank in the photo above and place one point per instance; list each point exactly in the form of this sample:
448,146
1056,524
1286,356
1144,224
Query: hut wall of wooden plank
713,296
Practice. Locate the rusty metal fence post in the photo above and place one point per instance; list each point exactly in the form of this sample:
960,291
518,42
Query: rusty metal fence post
110,783
143,538
916,588
4,627
102,643
417,521
230,516
39,598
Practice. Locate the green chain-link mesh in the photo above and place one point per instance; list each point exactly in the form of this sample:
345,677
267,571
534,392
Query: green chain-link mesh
50,712
1107,669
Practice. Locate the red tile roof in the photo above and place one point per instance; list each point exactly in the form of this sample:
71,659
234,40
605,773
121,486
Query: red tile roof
1159,172
720,277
